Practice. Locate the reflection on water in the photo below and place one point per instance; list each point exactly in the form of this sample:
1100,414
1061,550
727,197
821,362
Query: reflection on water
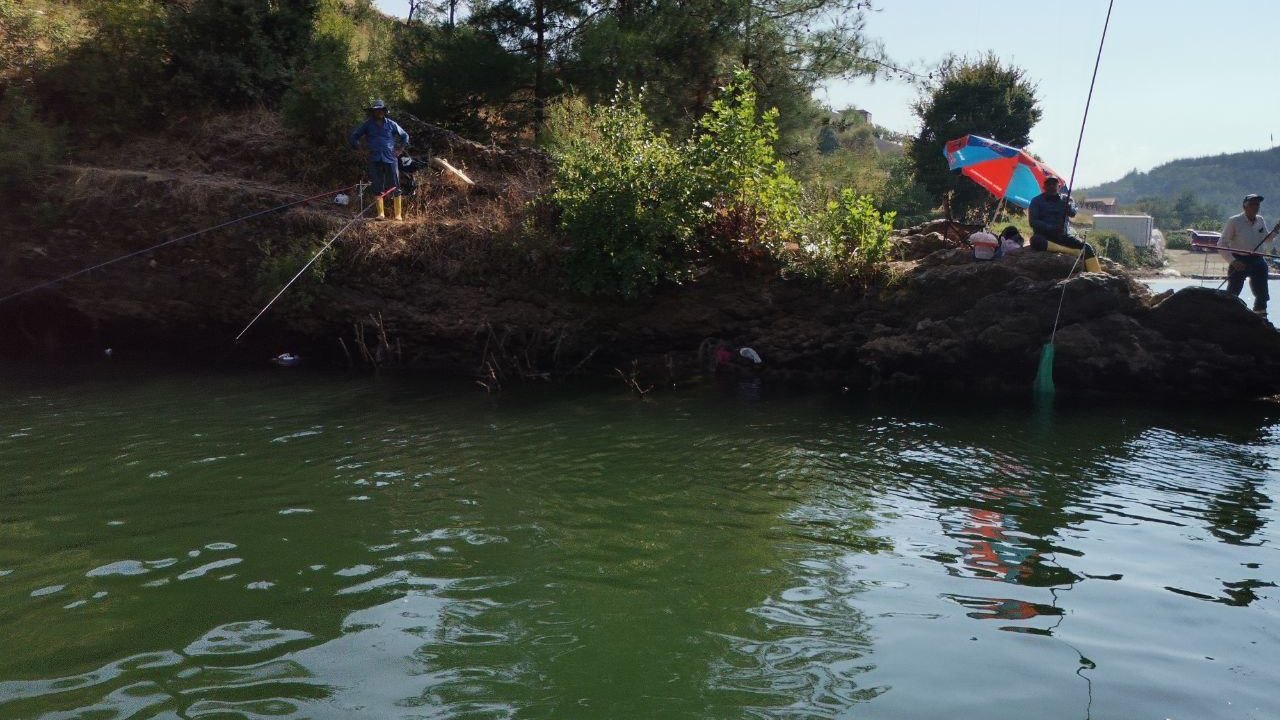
299,547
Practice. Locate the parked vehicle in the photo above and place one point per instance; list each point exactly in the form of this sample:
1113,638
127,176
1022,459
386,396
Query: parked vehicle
1200,238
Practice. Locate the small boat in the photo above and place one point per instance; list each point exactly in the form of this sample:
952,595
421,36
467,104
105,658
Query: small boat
286,360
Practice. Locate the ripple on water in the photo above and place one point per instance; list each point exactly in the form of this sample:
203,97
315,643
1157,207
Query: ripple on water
27,689
208,568
131,567
243,638
297,435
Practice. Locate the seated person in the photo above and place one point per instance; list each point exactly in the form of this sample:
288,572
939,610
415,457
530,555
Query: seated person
1049,212
1011,240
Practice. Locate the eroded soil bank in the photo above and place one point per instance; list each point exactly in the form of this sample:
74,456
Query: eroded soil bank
463,287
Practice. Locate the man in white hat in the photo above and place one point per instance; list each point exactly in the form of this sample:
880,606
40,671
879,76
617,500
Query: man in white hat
381,135
1247,233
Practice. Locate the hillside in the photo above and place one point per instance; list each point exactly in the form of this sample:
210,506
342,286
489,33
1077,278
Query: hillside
1219,180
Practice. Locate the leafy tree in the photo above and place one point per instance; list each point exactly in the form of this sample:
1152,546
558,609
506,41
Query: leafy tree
678,51
463,78
681,51
982,97
29,35
113,77
904,194
323,101
237,53
537,30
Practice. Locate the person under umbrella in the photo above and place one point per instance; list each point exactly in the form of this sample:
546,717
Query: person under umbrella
1048,214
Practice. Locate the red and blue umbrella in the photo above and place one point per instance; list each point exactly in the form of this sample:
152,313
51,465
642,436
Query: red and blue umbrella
1005,172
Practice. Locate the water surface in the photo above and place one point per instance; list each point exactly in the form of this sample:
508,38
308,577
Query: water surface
285,545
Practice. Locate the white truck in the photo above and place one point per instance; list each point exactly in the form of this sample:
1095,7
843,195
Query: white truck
1137,229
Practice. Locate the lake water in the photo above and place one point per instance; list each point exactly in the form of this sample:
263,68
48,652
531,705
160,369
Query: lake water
292,545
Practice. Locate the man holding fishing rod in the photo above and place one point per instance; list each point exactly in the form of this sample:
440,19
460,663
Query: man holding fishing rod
381,134
1246,233
1048,213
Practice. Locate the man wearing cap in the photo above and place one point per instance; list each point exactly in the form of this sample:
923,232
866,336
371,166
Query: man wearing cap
381,134
1247,233
1048,214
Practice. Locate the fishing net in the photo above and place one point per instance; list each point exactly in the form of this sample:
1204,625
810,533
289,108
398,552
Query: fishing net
1044,375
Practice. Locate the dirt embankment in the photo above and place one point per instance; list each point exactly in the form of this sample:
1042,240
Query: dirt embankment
463,287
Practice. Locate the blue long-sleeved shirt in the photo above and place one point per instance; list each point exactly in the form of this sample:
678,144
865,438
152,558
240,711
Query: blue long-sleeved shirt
1048,214
381,136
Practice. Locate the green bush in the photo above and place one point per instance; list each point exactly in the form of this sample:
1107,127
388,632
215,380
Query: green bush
1115,247
29,35
733,157
855,229
324,102
1177,240
111,81
633,206
29,149
627,202
230,54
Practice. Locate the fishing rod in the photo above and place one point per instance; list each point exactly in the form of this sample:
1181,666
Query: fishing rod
1203,246
157,246
1044,371
1253,253
352,221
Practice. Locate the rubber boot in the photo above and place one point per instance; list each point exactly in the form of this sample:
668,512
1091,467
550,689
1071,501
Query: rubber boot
398,204
1091,264
1260,308
382,210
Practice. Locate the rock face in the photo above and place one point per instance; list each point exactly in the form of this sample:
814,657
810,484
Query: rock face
449,298
959,324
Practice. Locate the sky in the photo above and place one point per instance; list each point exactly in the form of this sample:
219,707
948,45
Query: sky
1178,78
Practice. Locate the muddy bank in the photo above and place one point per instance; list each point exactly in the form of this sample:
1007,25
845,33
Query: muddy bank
461,288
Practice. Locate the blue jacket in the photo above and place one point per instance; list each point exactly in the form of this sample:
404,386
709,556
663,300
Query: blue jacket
1048,214
382,138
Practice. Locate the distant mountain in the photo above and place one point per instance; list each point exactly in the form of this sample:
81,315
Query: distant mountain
1219,180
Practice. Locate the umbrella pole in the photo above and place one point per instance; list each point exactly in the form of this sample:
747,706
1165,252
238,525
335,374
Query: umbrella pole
996,214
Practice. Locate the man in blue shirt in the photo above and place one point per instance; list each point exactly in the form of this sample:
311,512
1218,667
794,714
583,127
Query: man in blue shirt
1048,214
381,134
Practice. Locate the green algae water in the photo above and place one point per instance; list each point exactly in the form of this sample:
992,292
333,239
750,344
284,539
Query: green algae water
285,545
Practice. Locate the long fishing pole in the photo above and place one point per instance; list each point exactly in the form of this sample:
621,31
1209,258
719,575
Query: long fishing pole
1071,184
1044,373
1237,252
157,246
352,221
1253,252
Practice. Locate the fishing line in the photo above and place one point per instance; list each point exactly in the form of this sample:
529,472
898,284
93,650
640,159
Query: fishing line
188,236
352,221
1043,385
1076,160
